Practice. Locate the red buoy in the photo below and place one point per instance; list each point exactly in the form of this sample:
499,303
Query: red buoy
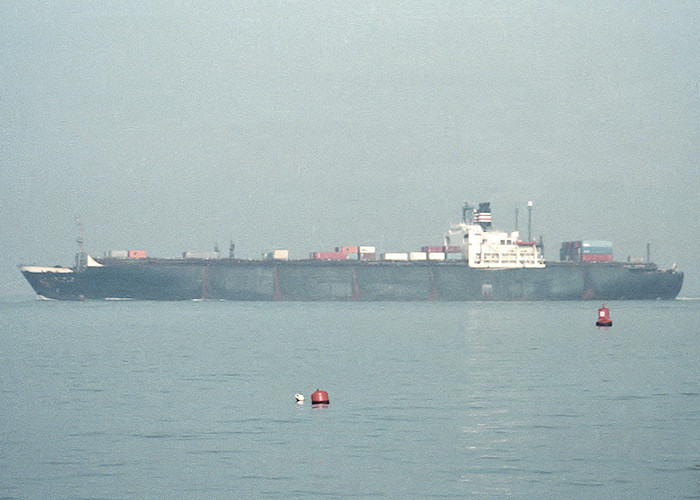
319,397
603,317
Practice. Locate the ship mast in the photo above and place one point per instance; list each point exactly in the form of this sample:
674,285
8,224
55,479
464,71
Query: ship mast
467,208
80,241
81,257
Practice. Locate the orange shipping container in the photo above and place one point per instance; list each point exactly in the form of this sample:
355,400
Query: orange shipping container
137,254
348,249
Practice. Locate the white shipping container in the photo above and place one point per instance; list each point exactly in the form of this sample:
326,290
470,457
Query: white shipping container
280,255
600,244
436,256
368,250
417,255
118,254
201,255
395,256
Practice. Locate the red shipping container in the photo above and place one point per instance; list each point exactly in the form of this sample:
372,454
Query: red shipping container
137,254
433,248
329,255
452,249
596,257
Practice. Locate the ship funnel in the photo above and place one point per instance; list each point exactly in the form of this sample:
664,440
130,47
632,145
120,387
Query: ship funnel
483,215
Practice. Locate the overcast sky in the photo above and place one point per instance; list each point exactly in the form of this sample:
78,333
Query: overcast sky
171,126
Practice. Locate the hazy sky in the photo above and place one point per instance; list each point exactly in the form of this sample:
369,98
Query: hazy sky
170,126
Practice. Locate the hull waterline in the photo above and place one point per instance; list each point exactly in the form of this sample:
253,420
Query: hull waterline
163,279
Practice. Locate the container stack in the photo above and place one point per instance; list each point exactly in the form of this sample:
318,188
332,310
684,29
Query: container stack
440,252
358,252
126,254
351,252
586,251
367,252
434,252
453,252
277,255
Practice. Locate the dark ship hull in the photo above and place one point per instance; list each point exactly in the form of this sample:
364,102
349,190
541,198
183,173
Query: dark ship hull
313,280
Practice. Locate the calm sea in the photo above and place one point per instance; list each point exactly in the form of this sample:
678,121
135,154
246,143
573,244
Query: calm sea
196,400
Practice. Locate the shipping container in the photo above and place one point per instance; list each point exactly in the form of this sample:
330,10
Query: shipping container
368,256
280,254
200,255
137,254
574,250
436,255
395,256
596,243
596,250
417,256
453,249
596,257
277,255
118,254
329,256
433,248
367,249
350,249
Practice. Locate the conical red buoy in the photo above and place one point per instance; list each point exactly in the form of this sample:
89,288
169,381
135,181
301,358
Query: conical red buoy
603,317
319,397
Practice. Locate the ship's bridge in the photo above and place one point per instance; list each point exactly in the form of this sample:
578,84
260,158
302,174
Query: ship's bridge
493,249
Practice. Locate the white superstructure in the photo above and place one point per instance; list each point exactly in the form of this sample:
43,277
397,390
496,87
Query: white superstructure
484,248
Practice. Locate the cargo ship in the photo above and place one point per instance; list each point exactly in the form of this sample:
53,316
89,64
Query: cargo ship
474,262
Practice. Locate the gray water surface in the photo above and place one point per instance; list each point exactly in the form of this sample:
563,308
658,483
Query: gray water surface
196,400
